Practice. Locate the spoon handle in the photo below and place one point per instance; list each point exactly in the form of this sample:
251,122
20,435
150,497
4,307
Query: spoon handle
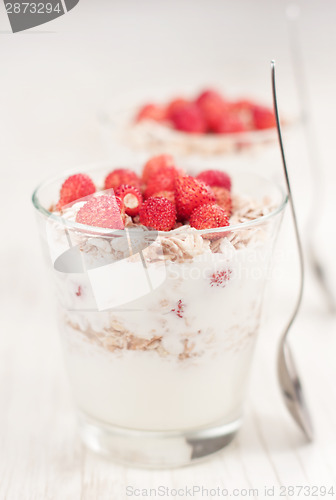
291,202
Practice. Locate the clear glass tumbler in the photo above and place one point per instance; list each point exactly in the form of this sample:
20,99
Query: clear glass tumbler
159,328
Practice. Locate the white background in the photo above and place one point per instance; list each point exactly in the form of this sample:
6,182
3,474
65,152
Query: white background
54,81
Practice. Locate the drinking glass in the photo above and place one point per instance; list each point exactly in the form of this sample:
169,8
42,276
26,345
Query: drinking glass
159,328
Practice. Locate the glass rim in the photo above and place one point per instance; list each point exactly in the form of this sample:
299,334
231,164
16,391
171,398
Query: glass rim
95,230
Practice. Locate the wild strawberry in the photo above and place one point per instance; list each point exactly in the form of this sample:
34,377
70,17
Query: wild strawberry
208,95
156,164
188,118
102,211
209,216
220,278
151,112
165,194
263,118
74,188
175,105
131,198
223,199
162,181
212,106
215,178
191,193
121,176
158,213
179,309
228,123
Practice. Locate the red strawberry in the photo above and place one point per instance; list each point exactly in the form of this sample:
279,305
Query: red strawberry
151,112
131,198
223,199
220,278
243,109
74,188
209,216
102,211
212,106
158,213
209,95
165,194
189,118
263,118
162,181
155,164
191,193
215,178
179,310
175,105
121,176
228,123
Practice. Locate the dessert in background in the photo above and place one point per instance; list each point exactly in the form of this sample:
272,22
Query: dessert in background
209,113
206,124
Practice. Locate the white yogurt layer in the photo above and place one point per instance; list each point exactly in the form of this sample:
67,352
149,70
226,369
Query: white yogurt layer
140,390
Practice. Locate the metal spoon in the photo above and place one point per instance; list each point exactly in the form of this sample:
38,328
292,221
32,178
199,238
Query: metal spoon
287,373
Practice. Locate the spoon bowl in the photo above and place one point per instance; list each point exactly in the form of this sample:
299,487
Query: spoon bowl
292,391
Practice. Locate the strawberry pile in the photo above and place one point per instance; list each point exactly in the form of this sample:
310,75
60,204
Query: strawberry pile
209,112
164,197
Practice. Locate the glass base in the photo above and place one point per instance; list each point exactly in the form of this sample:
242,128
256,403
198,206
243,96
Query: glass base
159,449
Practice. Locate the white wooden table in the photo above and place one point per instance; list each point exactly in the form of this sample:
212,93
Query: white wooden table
51,87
